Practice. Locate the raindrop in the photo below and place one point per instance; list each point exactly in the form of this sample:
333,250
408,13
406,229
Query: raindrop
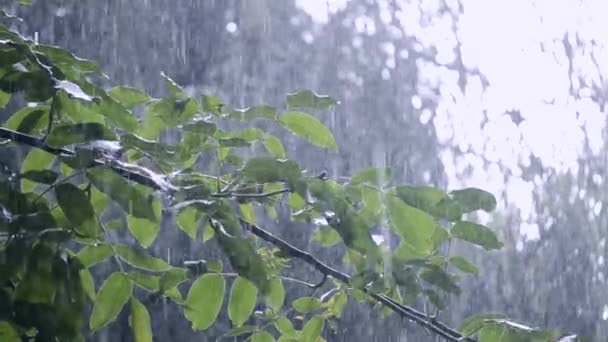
416,102
605,313
307,37
231,27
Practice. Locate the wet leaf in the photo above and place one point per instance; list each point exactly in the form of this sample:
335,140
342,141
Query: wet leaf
72,66
79,133
28,120
243,297
374,176
77,208
133,198
310,128
473,199
36,160
8,333
309,99
4,99
73,90
202,126
143,229
326,236
40,176
204,301
306,304
472,324
140,321
188,221
312,329
464,265
276,294
477,234
284,326
112,296
250,113
88,283
413,225
244,329
262,336
140,259
274,146
435,275
128,96
92,255
268,170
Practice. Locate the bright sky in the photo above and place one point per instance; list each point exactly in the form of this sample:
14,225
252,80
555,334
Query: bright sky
518,46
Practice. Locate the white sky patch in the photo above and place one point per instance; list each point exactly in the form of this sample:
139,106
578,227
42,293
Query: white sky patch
518,46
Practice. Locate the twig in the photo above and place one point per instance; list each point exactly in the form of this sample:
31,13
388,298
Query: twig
405,311
249,195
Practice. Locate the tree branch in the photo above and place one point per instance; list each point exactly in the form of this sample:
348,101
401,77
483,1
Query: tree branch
404,311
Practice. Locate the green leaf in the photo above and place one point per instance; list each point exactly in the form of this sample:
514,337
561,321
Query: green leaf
112,296
92,255
477,234
88,283
374,176
4,98
244,329
276,294
243,297
188,221
248,212
502,330
212,104
128,96
415,227
73,67
79,133
262,336
8,333
250,113
312,330
203,126
472,324
140,259
464,265
29,119
140,321
309,99
36,160
163,152
306,304
172,278
38,284
326,236
40,176
274,146
204,301
133,198
310,128
473,199
243,257
172,87
268,170
144,230
435,275
436,299
173,111
77,209
284,326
